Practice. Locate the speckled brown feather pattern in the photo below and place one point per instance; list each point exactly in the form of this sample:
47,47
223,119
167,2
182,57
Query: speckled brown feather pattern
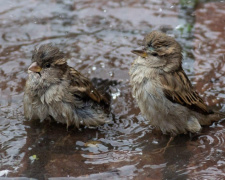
55,90
178,89
163,92
84,87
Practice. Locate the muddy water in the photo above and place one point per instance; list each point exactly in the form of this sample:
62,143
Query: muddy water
97,37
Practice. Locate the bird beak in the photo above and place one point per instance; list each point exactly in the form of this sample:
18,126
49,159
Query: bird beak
141,53
34,67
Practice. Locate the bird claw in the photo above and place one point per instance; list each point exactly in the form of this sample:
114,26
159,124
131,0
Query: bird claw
163,150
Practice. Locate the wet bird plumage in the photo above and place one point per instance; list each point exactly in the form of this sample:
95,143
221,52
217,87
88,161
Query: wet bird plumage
55,90
163,91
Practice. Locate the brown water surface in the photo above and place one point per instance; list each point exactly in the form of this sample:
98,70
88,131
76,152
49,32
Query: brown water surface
97,37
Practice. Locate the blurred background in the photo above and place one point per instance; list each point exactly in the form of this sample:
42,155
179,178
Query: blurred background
97,37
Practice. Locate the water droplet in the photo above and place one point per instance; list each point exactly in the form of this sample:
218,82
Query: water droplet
93,68
102,64
4,172
116,94
155,142
104,11
111,73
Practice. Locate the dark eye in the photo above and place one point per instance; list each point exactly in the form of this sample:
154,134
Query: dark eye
155,54
47,65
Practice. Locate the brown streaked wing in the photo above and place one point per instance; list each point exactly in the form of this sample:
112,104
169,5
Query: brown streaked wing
178,89
82,86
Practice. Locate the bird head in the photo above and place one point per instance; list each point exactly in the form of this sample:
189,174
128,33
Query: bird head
48,63
160,51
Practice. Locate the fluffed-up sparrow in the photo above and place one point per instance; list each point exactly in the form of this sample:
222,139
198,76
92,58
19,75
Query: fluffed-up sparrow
58,91
163,91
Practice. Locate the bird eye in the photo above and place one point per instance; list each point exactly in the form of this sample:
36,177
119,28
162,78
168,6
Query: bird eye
47,65
155,54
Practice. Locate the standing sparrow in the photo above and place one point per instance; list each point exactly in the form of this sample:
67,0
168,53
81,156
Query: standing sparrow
163,91
58,91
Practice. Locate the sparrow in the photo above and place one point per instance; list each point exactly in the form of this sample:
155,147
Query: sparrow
57,91
163,91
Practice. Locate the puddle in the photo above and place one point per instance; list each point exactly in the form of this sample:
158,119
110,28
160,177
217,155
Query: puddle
97,37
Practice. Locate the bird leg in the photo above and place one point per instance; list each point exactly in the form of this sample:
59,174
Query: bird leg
162,150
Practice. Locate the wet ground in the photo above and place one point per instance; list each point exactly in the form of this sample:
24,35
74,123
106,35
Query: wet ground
97,37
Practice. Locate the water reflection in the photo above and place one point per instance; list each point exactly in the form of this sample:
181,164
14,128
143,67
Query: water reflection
97,37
